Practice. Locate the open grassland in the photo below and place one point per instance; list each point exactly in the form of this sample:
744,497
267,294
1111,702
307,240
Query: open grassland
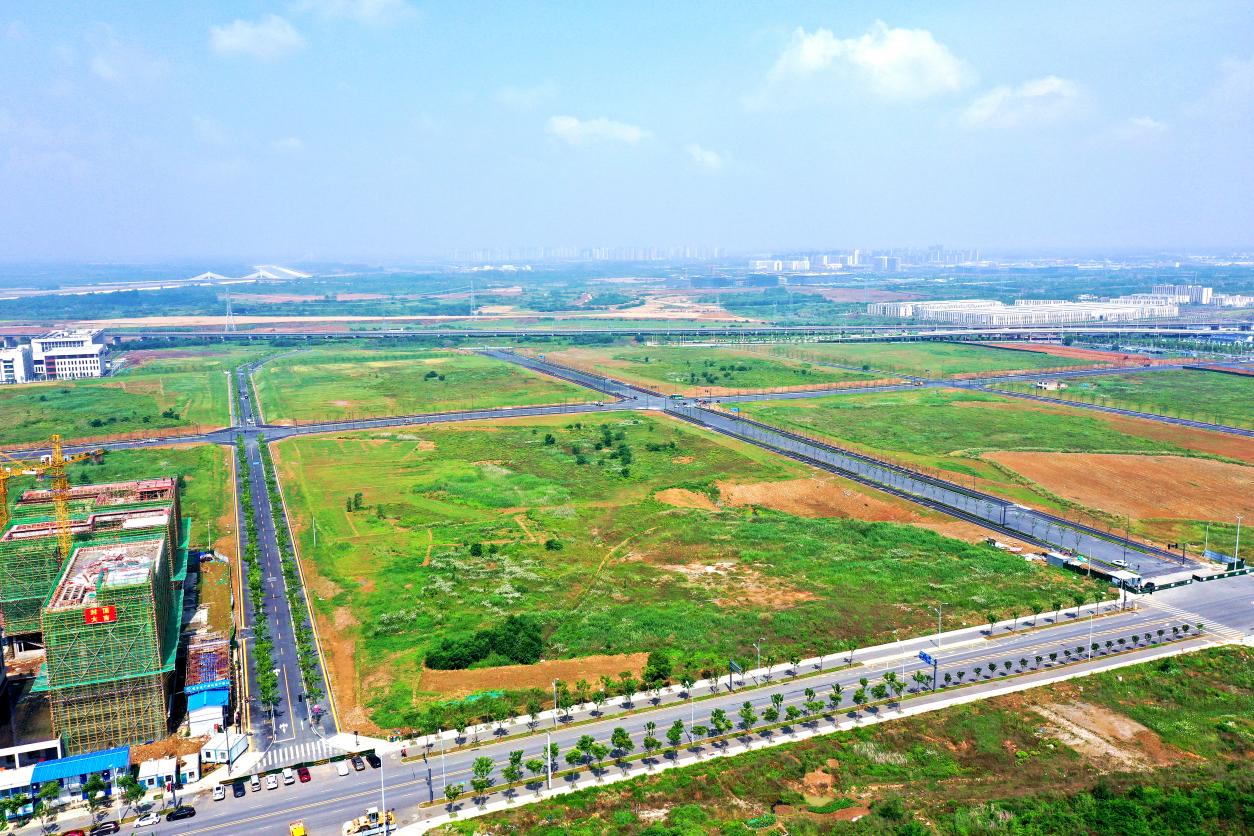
1186,393
929,359
163,392
705,370
1154,748
620,534
1153,476
334,382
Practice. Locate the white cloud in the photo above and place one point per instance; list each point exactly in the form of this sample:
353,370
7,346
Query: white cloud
1138,130
370,12
270,38
288,145
1034,102
895,63
210,131
704,157
574,131
525,98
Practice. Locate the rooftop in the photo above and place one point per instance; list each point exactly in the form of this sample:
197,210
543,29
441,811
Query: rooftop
109,493
85,764
129,520
96,567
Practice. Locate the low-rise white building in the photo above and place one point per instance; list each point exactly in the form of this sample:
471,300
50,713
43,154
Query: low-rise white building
992,313
15,365
68,355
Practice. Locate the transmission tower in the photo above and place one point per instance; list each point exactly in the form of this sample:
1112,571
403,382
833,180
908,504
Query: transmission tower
230,315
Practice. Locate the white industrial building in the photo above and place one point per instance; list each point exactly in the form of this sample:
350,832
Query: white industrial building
990,312
68,355
15,365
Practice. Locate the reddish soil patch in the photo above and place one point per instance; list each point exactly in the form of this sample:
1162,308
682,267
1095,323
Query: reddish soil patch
1141,487
137,358
171,747
1107,737
1240,371
1093,354
814,497
684,498
539,675
1204,441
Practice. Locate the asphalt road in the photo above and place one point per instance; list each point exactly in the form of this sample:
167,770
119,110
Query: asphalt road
1223,606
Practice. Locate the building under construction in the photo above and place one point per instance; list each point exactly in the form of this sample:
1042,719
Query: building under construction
31,549
109,617
111,631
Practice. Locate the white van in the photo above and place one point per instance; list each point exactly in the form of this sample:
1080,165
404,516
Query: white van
254,783
342,768
289,777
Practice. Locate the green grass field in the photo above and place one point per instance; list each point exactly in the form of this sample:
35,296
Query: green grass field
695,369
333,382
180,390
927,359
990,766
1198,395
460,527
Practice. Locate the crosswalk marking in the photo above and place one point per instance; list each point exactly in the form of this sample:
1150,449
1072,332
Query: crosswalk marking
280,756
1213,628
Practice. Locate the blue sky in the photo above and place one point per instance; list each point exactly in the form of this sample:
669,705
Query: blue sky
388,129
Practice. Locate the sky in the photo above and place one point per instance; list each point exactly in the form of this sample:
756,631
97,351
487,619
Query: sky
386,130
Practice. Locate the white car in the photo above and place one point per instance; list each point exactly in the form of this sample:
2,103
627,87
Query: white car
219,792
342,768
272,782
147,819
1122,564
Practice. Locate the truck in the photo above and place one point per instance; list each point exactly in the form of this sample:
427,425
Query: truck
297,828
370,824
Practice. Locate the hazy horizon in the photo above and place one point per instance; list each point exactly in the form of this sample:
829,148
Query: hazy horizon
386,131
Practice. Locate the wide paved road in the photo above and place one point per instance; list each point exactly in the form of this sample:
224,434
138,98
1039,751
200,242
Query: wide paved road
1224,607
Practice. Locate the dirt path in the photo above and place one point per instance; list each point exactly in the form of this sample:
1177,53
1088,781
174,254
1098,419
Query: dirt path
522,523
426,561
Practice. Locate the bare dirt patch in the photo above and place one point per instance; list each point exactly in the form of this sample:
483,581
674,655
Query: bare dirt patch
539,675
683,460
684,498
740,586
1141,487
171,747
1072,352
1204,441
1106,737
814,497
135,359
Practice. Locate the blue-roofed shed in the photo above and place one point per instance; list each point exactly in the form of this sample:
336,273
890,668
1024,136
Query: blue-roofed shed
106,760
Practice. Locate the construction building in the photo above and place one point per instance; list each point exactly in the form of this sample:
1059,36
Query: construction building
31,549
111,631
109,617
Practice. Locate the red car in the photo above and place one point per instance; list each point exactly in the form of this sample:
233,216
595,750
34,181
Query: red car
303,774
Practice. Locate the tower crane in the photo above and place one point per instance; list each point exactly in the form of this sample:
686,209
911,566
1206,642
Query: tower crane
52,465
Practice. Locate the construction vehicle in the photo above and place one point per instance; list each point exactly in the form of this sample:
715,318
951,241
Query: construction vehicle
51,465
297,828
370,824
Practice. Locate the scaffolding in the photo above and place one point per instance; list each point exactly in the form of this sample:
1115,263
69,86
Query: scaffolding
111,631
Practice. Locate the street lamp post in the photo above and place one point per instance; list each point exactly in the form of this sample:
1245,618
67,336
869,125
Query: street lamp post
939,609
1236,549
555,703
548,758
757,645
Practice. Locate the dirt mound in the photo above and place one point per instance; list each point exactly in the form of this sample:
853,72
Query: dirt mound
539,675
171,747
1106,737
684,498
814,497
1142,487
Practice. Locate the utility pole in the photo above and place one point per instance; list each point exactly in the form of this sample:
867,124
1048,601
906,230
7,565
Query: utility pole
548,757
555,703
1236,549
939,610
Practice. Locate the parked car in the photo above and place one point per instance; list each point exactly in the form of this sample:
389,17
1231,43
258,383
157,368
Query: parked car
289,777
358,763
342,768
373,760
272,782
219,792
254,782
179,813
105,828
147,819
302,772
238,790
73,833
1122,564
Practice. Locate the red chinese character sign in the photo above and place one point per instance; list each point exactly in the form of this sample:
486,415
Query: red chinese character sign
100,615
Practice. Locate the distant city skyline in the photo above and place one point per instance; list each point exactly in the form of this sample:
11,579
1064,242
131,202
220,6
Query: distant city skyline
385,131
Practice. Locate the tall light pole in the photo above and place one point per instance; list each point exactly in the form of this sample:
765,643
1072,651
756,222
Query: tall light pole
939,609
1236,549
383,801
548,757
757,645
555,703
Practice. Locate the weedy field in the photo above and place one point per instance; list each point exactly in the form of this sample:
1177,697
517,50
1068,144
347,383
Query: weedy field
617,534
1153,748
1154,478
1186,393
706,370
333,382
927,359
159,390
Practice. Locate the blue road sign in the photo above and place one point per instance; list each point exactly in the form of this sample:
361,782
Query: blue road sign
731,665
927,660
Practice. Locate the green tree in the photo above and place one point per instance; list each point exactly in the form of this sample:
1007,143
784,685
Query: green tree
49,792
621,741
792,714
657,669
771,715
675,734
536,766
95,791
777,700
482,780
748,717
452,792
132,791
880,691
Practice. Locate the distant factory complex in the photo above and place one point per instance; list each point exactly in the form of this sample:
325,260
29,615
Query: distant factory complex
59,355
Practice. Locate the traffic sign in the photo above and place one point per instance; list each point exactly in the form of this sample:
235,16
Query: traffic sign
731,664
928,660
